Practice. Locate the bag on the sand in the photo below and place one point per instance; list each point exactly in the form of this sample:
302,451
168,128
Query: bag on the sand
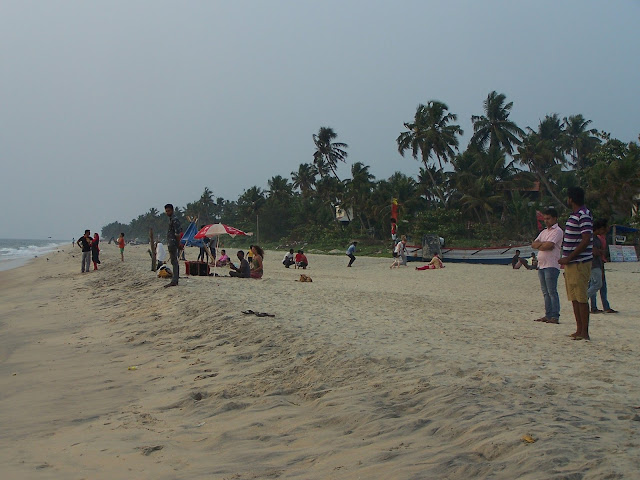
164,272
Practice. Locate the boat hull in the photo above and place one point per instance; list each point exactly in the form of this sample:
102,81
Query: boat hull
487,256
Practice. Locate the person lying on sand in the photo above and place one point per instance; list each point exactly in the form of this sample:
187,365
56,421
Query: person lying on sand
434,264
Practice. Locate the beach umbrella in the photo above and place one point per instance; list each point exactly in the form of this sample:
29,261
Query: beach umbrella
215,230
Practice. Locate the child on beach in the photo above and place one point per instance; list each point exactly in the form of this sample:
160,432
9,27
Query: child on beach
95,251
396,256
120,243
223,260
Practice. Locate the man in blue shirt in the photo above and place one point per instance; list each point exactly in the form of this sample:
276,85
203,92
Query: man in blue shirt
350,253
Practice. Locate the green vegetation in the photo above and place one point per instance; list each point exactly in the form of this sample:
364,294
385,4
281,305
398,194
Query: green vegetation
486,195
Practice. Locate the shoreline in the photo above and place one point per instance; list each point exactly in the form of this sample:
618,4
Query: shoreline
365,373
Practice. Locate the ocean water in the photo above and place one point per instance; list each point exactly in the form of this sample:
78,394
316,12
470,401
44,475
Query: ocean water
15,252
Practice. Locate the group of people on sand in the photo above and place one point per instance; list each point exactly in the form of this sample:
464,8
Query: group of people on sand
518,261
90,247
581,251
299,260
250,267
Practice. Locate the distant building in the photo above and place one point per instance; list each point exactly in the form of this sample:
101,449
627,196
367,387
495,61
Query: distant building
344,215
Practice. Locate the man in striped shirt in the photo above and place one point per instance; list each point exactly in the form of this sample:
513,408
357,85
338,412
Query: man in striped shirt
577,247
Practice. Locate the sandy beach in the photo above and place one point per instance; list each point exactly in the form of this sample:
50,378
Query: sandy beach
366,373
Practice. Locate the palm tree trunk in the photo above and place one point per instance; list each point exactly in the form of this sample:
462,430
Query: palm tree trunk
486,212
433,182
547,186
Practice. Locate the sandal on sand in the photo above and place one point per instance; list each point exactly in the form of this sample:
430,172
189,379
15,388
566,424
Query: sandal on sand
552,320
611,310
541,319
264,314
578,338
248,312
596,311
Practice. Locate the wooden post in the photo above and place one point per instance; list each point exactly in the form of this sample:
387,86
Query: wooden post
154,260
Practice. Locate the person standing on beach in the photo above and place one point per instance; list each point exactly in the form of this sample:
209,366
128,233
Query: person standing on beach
402,250
577,246
84,243
95,250
598,279
549,246
173,241
120,243
350,253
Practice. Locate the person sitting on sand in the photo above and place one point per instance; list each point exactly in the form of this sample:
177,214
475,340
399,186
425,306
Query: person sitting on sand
534,261
243,270
288,260
301,260
256,262
517,261
161,254
224,260
434,264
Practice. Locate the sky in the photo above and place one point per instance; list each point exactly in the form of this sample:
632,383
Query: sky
110,108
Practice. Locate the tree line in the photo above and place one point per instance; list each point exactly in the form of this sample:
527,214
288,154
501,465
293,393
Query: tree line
487,194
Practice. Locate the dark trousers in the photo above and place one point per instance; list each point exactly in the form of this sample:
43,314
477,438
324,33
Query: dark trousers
352,257
175,266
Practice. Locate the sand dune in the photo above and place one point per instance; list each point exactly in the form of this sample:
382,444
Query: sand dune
365,373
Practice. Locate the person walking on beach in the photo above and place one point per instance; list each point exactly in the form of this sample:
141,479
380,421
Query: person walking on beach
402,250
173,241
95,250
84,243
597,281
120,243
549,246
577,247
350,253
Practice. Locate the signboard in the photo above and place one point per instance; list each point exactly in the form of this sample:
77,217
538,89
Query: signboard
622,253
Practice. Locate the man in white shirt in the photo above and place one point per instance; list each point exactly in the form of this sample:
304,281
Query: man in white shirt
549,244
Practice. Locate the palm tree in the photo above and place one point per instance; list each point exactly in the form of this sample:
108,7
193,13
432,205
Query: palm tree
358,190
251,201
541,157
305,179
328,153
494,126
280,189
431,133
580,140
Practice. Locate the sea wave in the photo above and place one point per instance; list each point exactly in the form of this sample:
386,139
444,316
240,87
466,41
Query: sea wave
27,250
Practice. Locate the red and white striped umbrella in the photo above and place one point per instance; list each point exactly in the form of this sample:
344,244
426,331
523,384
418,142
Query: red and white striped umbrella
216,229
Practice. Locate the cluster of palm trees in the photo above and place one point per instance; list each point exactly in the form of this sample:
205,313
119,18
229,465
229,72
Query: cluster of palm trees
494,186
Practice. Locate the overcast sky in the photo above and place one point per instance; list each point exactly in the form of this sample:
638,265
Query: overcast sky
109,108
